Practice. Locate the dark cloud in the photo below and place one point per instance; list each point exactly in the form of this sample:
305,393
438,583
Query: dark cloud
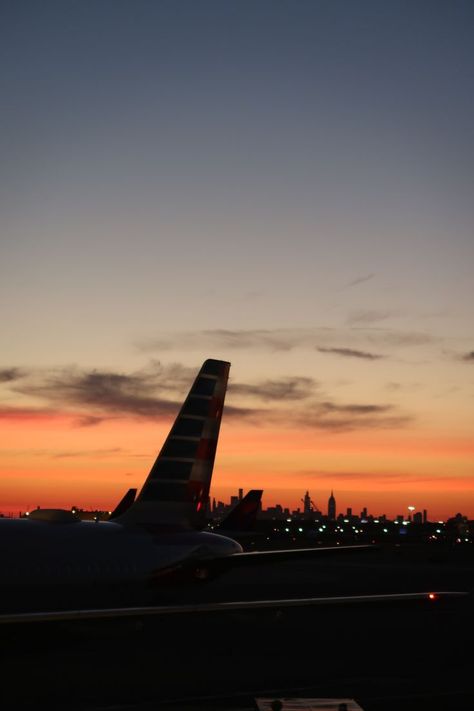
350,353
344,418
468,357
106,391
7,375
254,415
89,421
295,388
157,392
104,394
327,416
354,409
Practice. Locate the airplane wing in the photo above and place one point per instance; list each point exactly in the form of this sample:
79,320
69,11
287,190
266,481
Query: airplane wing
239,605
288,554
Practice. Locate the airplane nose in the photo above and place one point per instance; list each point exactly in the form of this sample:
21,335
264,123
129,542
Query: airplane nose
237,548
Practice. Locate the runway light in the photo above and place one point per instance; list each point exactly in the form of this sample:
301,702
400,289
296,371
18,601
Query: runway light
432,596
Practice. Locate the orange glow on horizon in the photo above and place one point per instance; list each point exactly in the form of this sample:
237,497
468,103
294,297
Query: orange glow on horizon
52,462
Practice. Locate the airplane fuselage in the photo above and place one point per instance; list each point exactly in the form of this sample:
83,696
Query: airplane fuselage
54,561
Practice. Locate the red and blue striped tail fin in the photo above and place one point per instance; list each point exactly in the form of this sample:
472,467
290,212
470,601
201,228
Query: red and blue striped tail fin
176,490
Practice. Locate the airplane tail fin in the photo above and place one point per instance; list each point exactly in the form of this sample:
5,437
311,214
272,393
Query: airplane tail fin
177,488
125,502
243,515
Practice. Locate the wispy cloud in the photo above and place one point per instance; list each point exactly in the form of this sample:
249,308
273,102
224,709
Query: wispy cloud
393,338
10,412
288,339
359,280
368,316
350,353
335,417
287,388
278,339
88,420
81,454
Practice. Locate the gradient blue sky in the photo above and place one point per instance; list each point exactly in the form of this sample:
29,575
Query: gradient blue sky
299,174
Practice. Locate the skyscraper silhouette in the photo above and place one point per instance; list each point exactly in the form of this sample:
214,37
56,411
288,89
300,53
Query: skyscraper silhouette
332,507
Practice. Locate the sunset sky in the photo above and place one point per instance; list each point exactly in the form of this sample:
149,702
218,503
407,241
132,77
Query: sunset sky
285,185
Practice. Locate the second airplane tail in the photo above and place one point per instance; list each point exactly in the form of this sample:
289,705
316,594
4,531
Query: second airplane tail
242,518
177,488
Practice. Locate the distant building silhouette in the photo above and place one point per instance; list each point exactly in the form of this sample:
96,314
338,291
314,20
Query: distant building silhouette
332,507
307,505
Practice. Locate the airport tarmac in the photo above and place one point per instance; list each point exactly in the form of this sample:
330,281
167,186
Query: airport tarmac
403,655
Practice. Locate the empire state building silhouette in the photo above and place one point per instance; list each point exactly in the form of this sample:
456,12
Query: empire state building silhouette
332,507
